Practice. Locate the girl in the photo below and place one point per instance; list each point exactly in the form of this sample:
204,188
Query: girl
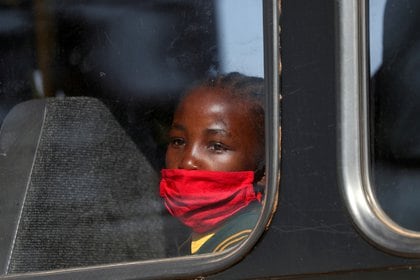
215,161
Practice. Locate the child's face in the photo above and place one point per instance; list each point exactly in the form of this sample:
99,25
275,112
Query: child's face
211,131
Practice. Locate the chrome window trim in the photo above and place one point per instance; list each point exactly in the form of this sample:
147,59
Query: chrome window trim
194,266
353,143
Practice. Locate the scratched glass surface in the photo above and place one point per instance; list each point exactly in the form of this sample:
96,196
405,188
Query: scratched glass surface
394,34
87,94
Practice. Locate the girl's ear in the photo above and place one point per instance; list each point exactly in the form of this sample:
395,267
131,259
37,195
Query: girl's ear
262,182
259,172
260,185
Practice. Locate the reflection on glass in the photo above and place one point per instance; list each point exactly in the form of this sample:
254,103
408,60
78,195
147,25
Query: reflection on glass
395,105
91,95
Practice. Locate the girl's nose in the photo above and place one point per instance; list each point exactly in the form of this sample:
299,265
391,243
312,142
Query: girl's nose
189,160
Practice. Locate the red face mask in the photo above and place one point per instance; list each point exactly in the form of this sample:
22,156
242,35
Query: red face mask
204,199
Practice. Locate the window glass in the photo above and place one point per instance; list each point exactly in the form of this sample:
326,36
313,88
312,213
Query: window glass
394,105
104,106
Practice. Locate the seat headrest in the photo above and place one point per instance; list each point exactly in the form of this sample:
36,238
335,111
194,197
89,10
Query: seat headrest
90,196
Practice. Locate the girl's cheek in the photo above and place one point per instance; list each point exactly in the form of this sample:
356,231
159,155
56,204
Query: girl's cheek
223,162
170,159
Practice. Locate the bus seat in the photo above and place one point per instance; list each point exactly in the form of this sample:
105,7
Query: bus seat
75,190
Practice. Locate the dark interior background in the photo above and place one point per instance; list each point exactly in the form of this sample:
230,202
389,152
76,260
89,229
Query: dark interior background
136,56
395,103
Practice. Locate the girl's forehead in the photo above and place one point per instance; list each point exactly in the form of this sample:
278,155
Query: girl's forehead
208,106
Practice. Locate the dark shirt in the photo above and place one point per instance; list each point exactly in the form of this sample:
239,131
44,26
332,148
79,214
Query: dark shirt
233,231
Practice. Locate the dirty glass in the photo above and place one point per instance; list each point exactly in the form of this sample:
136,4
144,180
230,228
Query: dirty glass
394,35
88,90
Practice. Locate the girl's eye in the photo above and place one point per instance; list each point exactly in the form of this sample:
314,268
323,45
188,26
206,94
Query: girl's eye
218,147
177,142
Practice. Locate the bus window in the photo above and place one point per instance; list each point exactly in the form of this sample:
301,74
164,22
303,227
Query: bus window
135,131
395,68
377,121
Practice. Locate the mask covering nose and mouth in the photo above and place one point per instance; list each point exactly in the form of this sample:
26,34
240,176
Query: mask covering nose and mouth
204,199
